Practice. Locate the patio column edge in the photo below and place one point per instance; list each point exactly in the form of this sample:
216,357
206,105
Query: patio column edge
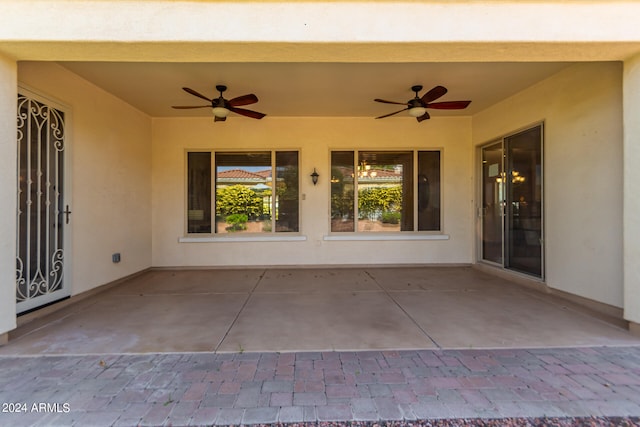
8,179
631,191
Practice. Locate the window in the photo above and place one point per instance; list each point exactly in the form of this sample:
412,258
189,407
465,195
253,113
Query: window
385,191
199,194
247,197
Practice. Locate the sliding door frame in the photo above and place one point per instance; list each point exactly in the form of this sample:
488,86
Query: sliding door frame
479,212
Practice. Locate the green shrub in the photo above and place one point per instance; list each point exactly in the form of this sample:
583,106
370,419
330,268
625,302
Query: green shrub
237,222
238,199
372,201
391,217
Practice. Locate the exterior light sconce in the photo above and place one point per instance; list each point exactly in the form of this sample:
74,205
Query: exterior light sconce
314,176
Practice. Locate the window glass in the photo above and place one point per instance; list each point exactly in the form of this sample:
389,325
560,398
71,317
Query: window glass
199,192
381,188
287,205
428,190
342,199
243,192
385,191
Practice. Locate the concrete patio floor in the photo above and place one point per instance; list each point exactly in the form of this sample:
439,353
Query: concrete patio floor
260,346
287,310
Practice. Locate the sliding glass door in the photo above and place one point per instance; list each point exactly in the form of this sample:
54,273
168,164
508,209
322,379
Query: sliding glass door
512,200
524,201
493,196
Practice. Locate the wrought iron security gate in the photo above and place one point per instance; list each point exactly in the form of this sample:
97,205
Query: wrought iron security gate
41,213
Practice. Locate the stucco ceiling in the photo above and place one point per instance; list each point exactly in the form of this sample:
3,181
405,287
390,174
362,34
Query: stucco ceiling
310,89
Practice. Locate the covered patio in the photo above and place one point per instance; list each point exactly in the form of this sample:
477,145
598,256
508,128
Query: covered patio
314,309
500,280
133,232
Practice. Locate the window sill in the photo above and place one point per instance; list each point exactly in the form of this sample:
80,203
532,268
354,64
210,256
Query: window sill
249,238
388,237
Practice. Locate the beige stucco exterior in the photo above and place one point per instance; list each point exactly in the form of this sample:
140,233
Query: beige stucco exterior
360,31
128,168
631,204
581,108
314,137
110,157
8,178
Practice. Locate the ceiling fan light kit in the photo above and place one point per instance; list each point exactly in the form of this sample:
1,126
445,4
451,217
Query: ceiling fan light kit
220,112
417,111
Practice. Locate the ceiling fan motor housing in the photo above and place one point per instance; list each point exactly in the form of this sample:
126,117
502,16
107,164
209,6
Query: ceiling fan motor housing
219,102
415,103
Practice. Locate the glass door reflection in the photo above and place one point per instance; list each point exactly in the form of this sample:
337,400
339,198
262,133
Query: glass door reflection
512,198
492,210
524,207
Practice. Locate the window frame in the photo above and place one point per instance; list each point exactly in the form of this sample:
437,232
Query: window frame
380,235
213,235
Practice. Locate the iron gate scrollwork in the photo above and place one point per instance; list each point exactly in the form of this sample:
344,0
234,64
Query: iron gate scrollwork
40,253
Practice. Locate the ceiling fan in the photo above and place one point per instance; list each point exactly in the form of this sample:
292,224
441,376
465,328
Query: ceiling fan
221,107
417,106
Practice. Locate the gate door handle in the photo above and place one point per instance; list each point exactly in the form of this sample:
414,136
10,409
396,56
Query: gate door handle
67,212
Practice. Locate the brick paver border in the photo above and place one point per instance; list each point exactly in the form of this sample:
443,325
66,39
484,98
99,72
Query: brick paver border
248,388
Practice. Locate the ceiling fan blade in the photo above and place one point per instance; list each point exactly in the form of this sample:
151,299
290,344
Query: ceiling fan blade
449,105
390,102
391,114
243,100
219,119
194,93
248,113
425,116
184,107
433,94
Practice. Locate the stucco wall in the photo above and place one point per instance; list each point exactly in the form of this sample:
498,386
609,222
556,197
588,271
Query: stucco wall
461,30
631,203
314,137
111,177
129,180
8,97
582,111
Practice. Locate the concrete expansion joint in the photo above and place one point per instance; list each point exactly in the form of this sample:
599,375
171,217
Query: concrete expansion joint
290,310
